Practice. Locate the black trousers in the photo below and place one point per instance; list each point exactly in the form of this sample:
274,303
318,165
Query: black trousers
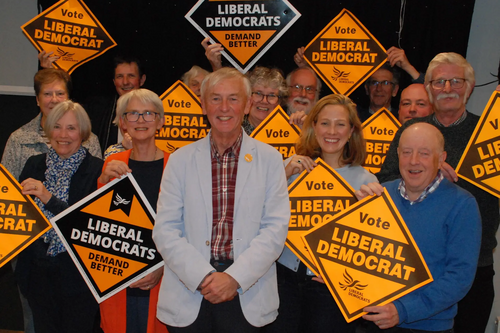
474,309
226,317
306,306
372,328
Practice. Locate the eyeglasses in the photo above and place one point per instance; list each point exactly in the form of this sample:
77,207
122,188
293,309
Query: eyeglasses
257,96
455,83
298,89
384,83
134,116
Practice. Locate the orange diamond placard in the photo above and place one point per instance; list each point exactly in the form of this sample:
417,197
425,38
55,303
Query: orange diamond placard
108,235
315,198
344,54
480,163
367,256
21,221
246,29
379,131
184,120
277,131
71,31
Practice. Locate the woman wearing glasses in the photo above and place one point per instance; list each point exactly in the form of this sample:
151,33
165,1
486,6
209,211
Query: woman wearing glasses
268,89
140,113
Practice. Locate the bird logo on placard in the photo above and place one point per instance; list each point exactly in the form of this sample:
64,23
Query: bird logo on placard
339,74
120,200
63,53
351,283
171,148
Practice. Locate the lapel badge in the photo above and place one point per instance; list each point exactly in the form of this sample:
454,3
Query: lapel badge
248,158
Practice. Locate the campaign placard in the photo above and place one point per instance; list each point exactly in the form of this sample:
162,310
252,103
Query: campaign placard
379,131
109,237
246,29
277,131
21,221
344,54
480,162
367,256
315,197
184,120
71,31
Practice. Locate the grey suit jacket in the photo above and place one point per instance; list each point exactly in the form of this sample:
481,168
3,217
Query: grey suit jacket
183,228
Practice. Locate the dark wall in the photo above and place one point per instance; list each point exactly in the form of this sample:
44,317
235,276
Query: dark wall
16,111
157,32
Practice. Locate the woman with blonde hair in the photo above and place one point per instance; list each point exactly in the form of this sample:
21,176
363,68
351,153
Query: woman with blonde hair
332,131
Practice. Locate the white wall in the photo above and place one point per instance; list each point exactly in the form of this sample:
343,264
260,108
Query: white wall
18,61
484,50
484,54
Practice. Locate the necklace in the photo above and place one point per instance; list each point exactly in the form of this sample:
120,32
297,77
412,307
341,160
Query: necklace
154,156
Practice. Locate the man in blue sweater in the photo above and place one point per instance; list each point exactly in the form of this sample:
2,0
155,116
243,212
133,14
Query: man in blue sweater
449,80
445,222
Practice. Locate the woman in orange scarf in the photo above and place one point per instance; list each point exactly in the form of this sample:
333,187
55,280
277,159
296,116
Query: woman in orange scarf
140,113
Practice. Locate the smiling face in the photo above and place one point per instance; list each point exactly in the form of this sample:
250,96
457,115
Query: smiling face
127,78
381,95
414,103
420,155
261,109
332,130
50,95
301,100
66,137
141,130
225,104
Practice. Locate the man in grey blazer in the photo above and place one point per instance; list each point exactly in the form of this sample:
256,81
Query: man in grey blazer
222,221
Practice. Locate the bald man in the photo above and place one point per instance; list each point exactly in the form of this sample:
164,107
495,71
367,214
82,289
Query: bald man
414,103
449,81
445,222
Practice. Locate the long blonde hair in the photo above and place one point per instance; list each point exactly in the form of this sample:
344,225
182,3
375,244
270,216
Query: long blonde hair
354,151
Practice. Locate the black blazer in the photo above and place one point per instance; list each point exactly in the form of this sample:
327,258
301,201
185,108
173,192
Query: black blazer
83,182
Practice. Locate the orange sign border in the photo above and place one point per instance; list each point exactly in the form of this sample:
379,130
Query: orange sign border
96,21
366,31
29,200
473,138
392,207
74,256
369,121
294,184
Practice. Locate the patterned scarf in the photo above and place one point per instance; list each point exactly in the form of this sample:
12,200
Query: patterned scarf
57,181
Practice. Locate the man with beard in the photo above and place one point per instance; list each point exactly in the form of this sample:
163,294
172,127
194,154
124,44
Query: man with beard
449,81
303,90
